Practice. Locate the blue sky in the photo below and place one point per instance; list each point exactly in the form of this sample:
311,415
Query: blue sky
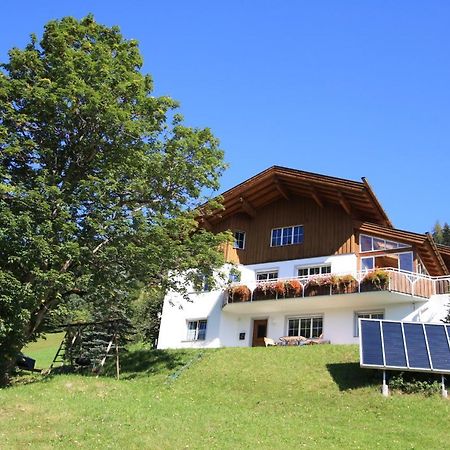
346,88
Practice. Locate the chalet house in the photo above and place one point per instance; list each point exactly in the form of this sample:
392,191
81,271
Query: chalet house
311,255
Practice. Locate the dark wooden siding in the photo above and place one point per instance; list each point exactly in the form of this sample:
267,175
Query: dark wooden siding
327,231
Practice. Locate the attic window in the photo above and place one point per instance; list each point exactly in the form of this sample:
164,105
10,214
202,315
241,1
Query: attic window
239,240
287,236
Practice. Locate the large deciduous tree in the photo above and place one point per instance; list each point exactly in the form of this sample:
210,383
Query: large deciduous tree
99,180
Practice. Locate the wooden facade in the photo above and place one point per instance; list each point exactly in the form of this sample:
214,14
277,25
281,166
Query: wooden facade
327,231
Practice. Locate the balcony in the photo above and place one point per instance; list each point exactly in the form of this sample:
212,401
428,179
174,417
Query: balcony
378,280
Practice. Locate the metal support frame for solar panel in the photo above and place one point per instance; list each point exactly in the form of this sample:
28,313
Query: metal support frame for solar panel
405,346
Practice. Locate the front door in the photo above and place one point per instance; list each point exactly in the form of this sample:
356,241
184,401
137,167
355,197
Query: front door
259,332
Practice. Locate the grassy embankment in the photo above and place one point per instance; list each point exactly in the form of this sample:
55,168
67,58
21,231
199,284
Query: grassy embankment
274,398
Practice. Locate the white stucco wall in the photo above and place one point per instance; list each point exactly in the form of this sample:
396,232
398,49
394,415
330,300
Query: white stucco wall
225,325
339,264
222,329
177,311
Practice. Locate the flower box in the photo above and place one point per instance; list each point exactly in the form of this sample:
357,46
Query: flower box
240,293
344,284
376,280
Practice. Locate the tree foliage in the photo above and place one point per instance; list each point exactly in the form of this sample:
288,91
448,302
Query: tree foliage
99,179
441,234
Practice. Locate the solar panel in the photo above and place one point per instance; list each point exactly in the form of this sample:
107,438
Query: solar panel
439,347
416,346
394,348
413,346
371,342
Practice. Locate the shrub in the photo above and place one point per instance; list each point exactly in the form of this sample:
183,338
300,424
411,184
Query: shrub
414,384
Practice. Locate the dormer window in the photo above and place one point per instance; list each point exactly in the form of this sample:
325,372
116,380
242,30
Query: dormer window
239,240
287,236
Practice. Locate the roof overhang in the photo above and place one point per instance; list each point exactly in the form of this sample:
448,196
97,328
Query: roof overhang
356,198
444,251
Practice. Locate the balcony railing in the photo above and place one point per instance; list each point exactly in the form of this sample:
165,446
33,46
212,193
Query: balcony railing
386,279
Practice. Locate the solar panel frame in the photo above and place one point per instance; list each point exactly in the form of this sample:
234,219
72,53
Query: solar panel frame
378,353
395,350
439,347
408,366
416,338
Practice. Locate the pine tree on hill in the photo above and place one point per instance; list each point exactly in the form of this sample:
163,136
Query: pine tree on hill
441,234
446,234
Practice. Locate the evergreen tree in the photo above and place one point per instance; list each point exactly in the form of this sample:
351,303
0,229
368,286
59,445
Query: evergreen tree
446,234
441,234
437,233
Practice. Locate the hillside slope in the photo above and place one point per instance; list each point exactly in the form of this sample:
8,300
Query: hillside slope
291,397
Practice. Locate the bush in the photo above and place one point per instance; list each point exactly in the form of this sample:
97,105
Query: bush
409,383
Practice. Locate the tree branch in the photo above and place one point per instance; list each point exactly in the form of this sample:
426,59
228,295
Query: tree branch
99,246
65,266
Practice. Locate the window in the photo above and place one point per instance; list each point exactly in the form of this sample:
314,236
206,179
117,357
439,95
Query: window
367,263
402,261
239,240
313,270
365,243
366,315
265,276
196,330
406,261
374,244
287,236
308,327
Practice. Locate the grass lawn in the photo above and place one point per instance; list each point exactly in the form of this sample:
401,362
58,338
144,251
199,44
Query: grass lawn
266,398
44,350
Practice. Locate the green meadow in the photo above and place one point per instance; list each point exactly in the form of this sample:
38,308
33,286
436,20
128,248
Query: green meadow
266,398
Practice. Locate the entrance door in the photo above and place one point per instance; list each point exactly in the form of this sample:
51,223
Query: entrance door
259,332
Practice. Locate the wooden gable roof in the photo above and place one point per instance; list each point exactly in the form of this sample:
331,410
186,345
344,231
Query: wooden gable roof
423,243
355,197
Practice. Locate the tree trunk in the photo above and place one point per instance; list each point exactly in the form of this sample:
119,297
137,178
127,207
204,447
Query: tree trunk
8,364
